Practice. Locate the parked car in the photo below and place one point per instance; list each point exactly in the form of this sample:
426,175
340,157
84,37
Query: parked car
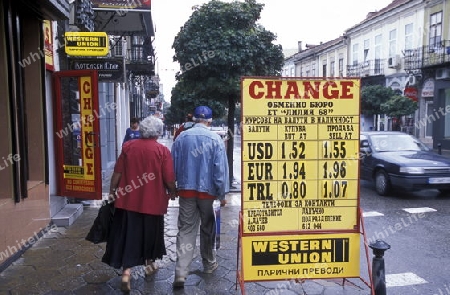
222,131
396,160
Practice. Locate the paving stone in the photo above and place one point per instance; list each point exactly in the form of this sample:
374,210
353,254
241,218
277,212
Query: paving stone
308,287
23,292
66,283
157,287
63,262
94,289
280,292
8,282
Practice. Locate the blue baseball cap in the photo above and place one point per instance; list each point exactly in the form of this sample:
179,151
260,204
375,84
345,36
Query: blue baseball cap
203,112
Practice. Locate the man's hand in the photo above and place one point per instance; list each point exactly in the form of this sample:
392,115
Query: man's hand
173,195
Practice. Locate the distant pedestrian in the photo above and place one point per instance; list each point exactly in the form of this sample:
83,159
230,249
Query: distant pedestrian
201,170
132,132
142,183
189,122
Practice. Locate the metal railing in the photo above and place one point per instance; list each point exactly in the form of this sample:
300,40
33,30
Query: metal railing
140,54
366,68
427,56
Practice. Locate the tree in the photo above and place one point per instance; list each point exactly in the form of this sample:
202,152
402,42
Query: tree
397,107
220,43
372,97
184,101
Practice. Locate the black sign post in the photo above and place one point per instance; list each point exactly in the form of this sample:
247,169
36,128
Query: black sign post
109,69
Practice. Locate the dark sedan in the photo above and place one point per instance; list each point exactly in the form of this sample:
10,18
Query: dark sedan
396,160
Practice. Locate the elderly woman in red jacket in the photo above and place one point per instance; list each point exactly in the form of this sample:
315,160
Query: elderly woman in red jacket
142,184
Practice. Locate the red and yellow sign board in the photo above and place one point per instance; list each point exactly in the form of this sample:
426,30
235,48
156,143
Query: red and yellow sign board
77,145
48,45
300,178
81,178
300,257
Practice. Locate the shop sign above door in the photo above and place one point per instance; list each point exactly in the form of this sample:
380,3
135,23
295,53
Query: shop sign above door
86,43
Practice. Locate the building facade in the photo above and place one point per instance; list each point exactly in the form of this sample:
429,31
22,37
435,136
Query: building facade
403,46
32,55
26,66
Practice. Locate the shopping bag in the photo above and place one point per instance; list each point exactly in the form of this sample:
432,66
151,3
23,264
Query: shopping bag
99,231
216,207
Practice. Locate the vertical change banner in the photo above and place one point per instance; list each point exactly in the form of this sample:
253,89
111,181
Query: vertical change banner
300,174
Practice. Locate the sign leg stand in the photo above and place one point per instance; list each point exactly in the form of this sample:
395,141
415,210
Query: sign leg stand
369,269
239,276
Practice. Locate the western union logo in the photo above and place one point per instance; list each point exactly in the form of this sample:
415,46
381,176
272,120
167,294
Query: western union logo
281,252
86,43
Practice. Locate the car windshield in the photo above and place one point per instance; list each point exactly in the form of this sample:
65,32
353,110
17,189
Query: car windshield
396,142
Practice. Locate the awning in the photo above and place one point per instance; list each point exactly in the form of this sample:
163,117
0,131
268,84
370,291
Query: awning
48,9
123,17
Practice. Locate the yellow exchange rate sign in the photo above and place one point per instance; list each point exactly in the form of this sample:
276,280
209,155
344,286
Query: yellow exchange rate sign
300,144
300,198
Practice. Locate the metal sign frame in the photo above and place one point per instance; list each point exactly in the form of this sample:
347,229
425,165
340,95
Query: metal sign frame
300,179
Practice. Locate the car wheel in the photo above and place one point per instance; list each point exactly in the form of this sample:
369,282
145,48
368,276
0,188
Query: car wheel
382,185
444,192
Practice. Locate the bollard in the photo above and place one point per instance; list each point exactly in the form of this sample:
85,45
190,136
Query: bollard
439,145
378,273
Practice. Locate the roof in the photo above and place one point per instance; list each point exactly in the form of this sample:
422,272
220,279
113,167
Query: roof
318,48
371,15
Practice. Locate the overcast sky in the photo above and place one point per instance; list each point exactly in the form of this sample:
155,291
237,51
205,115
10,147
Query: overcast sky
311,22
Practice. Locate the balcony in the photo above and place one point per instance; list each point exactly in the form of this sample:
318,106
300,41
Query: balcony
427,56
436,54
413,59
152,90
141,58
367,68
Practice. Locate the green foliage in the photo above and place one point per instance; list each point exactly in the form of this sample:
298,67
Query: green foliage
399,106
184,102
219,44
373,96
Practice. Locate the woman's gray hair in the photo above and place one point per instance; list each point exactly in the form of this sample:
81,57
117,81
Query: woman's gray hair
151,127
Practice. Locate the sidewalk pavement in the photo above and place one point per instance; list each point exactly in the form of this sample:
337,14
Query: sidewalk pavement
62,262
445,153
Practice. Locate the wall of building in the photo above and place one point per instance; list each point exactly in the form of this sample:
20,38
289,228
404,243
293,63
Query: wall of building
24,190
107,117
382,42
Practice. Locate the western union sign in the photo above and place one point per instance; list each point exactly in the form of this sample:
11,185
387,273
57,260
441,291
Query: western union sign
86,43
316,256
300,251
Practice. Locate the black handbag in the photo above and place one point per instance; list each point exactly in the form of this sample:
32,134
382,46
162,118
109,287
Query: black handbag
99,231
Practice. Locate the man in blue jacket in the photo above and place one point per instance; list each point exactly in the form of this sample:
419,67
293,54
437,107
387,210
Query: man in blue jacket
201,171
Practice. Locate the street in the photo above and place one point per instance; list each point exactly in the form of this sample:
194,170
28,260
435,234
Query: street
414,225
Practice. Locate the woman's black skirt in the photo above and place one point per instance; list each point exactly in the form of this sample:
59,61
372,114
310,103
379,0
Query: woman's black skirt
134,238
